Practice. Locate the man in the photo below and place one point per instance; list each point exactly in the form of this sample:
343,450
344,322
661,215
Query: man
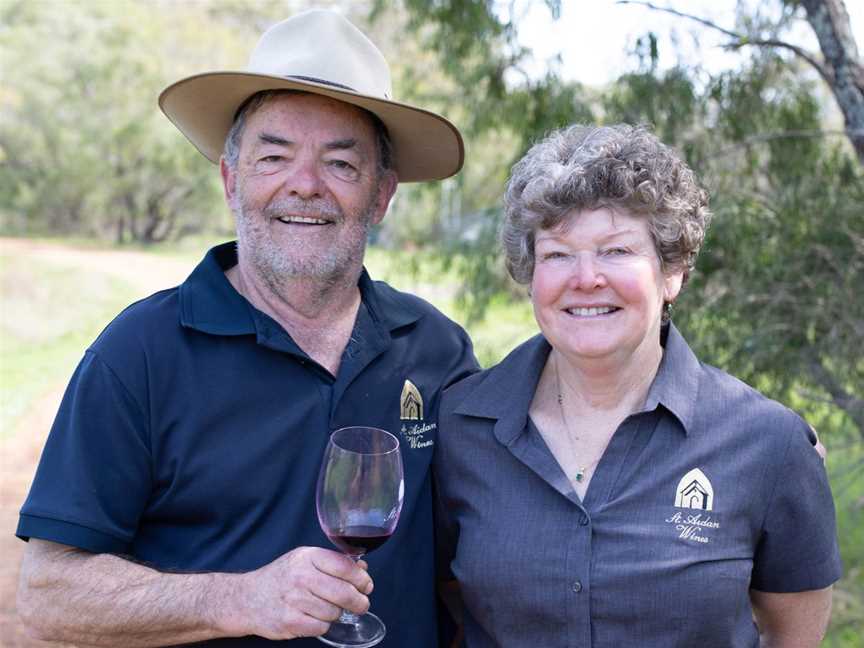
175,498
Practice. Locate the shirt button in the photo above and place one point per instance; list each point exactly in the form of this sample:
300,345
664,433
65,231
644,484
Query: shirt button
577,586
583,521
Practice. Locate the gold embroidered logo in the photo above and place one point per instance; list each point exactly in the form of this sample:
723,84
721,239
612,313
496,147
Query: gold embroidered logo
410,403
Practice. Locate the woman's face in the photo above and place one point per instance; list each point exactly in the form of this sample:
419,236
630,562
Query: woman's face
597,287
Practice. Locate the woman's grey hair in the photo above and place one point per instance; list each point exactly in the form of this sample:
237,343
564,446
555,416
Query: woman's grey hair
622,167
249,107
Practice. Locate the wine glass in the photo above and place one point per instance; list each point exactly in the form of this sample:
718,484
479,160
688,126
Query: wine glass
359,498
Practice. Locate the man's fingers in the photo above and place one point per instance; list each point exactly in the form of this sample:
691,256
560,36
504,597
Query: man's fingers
342,567
340,593
320,609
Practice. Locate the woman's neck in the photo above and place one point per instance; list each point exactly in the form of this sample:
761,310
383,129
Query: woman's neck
606,385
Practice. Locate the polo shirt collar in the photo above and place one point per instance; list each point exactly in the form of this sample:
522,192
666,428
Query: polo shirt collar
507,391
210,304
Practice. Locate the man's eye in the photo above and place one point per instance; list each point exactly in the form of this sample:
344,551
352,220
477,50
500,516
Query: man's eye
341,164
271,158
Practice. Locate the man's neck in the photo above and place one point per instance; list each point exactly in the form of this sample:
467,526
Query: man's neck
319,314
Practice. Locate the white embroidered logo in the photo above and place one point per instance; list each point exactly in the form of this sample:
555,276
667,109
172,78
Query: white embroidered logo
695,491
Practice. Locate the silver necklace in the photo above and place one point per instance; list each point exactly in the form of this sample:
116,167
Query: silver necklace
580,472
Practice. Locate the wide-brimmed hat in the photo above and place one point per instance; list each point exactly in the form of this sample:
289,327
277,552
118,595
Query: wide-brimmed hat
320,52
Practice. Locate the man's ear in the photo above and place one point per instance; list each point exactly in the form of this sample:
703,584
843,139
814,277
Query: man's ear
386,188
229,181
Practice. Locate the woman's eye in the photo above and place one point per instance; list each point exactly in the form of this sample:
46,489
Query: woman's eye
550,256
616,251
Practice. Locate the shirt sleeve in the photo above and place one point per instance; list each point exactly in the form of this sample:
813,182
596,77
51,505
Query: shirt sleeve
94,476
798,549
464,362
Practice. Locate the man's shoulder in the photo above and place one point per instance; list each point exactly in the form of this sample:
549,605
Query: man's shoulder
144,321
412,305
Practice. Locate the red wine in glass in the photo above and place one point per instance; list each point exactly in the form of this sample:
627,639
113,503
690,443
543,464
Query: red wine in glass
358,499
357,540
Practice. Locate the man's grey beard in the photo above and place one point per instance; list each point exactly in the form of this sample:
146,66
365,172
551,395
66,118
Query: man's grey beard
276,264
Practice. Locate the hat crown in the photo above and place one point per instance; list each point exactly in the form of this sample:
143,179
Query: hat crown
323,47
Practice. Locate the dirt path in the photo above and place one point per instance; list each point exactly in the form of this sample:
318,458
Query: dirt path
19,452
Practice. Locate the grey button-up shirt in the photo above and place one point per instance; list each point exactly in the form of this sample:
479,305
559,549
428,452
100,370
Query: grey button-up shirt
711,490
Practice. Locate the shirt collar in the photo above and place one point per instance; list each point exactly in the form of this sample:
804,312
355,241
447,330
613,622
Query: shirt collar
210,304
676,385
506,392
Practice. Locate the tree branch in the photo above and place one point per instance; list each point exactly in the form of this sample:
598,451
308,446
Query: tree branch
793,134
742,40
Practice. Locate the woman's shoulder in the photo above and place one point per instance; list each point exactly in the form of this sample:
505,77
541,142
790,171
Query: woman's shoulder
724,395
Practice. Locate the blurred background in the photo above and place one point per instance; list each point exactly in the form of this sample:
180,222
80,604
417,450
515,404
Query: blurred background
103,202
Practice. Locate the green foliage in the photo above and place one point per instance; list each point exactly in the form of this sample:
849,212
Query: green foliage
84,148
43,332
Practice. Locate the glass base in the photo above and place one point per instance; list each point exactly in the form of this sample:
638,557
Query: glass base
368,630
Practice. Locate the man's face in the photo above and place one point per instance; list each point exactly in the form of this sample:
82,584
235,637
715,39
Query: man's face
306,188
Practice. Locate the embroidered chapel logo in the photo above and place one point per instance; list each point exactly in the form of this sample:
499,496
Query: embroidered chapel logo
411,409
411,403
695,491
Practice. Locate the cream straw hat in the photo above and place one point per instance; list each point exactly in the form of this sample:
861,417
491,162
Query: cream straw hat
320,52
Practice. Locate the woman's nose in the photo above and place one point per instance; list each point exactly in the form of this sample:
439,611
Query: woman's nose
587,272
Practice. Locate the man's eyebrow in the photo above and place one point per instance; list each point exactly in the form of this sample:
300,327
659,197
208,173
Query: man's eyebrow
339,145
267,138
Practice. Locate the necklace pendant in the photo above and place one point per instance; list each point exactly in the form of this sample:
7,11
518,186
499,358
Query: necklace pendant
580,475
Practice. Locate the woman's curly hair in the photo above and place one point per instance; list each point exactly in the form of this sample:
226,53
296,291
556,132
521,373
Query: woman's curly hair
622,167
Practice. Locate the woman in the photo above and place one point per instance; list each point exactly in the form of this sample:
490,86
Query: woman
600,486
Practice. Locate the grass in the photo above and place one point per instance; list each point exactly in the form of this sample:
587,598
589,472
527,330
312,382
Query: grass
50,313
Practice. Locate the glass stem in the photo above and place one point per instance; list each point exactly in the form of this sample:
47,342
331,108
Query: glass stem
349,618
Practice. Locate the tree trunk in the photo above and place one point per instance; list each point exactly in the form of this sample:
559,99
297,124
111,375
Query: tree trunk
830,21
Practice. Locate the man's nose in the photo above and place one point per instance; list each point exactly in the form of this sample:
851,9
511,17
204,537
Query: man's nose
304,180
586,272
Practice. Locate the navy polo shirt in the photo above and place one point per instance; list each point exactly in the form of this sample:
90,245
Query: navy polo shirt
708,492
191,435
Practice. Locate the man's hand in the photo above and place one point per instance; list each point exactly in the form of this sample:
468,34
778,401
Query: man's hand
74,596
299,594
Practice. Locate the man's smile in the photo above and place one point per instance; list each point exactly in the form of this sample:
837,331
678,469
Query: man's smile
302,220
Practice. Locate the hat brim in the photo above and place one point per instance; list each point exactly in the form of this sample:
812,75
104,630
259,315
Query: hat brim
425,146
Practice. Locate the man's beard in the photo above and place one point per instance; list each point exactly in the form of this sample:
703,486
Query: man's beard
277,263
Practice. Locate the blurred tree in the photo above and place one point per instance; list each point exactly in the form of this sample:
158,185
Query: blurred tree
756,134
83,147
